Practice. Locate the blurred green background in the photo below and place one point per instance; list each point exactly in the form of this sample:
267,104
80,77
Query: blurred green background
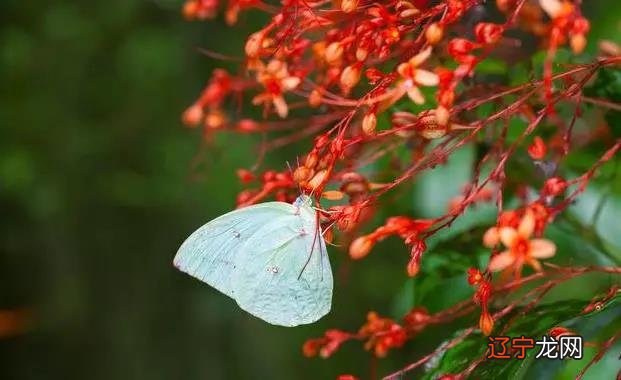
98,188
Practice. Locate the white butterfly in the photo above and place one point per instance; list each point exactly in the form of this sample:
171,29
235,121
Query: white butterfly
271,258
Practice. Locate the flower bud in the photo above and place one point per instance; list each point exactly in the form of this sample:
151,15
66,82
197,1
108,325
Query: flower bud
609,48
391,36
407,13
558,331
459,46
486,323
577,42
416,317
190,9
449,376
333,195
433,131
244,197
315,98
349,6
474,276
324,161
580,26
361,54
446,98
487,32
413,267
360,247
318,179
310,348
504,5
369,122
245,175
434,33
248,125
373,75
537,150
254,44
350,76
321,141
354,184
333,53
193,115
554,186
418,248
347,377
311,160
214,119
268,176
302,174
442,116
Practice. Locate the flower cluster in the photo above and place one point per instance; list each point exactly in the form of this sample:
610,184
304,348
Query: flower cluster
384,91
481,297
514,232
379,334
406,228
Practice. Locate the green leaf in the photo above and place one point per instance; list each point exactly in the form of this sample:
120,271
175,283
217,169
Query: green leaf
433,191
440,293
607,85
492,66
405,299
595,326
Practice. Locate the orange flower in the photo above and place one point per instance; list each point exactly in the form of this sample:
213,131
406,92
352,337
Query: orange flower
557,8
276,79
413,76
521,249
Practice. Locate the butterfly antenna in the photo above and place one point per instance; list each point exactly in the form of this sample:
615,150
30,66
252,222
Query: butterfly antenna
291,171
297,160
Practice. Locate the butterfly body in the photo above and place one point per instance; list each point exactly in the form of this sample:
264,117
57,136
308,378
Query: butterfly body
271,258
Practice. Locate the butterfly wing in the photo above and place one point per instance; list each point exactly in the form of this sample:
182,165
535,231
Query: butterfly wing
209,254
284,275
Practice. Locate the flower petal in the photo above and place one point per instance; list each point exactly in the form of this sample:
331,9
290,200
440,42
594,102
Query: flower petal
416,96
508,236
421,57
542,248
281,106
501,261
403,69
290,83
261,98
426,78
527,225
551,7
275,66
491,237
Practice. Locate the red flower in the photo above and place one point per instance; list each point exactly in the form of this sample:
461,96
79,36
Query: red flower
538,149
276,80
521,249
